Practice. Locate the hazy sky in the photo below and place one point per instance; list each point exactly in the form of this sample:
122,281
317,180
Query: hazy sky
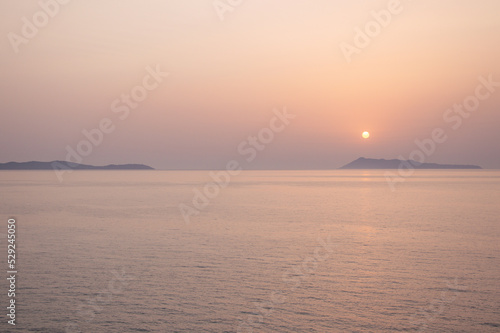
226,77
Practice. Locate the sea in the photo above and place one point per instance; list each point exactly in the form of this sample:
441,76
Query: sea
258,251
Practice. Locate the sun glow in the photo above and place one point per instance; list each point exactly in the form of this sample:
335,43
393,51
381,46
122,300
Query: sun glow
365,135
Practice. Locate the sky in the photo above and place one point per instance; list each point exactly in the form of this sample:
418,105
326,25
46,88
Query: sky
187,84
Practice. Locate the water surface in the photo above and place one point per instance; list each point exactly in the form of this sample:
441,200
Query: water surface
274,251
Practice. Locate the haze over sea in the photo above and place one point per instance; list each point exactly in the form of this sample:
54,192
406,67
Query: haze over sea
275,251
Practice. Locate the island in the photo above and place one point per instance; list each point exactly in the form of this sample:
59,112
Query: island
371,163
35,165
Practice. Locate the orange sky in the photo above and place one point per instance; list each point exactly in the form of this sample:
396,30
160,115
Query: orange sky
226,76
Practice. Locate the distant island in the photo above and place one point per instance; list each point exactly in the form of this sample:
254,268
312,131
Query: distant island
371,163
34,165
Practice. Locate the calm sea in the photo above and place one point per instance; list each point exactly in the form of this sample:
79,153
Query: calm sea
273,251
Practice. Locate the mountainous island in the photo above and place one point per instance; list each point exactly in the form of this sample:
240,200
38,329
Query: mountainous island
34,165
360,163
371,163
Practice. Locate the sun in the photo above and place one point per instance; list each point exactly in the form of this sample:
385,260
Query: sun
365,135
